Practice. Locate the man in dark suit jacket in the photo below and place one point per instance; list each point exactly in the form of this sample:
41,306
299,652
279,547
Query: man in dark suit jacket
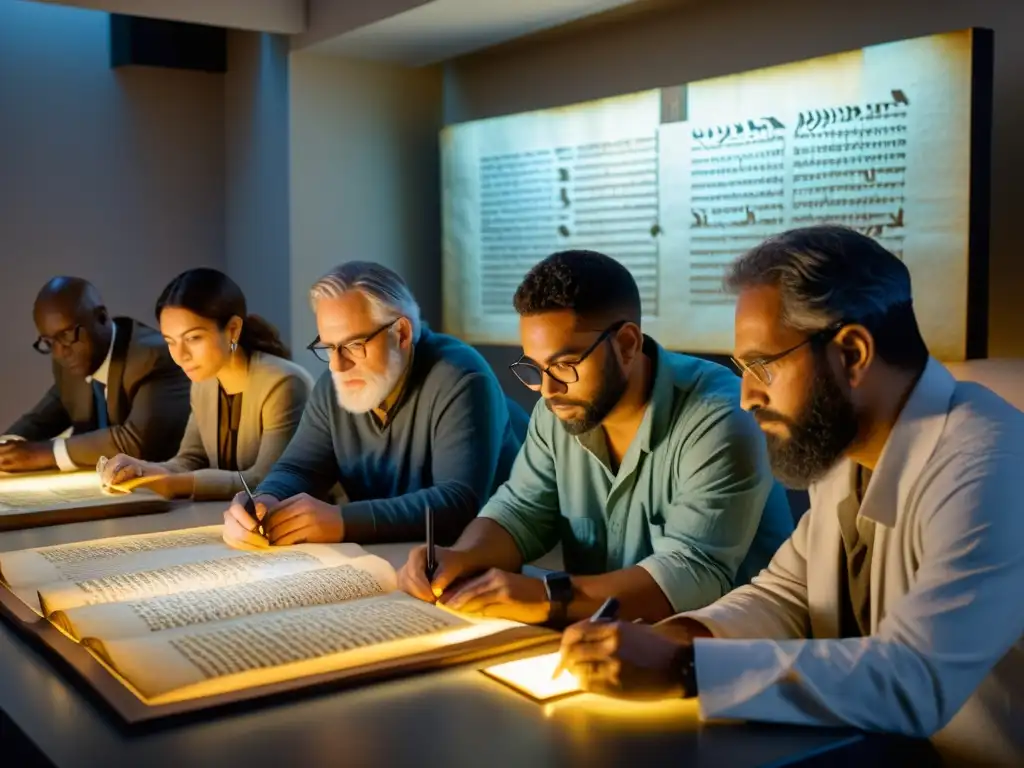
115,385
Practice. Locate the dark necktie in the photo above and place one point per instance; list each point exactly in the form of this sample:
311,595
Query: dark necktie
99,397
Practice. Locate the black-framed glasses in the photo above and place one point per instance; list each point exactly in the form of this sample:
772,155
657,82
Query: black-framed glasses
532,375
759,368
44,344
352,350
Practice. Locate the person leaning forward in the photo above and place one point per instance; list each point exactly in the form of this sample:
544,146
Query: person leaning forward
895,606
115,386
405,418
638,461
247,394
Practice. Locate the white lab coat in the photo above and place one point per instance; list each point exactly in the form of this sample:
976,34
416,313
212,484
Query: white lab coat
945,658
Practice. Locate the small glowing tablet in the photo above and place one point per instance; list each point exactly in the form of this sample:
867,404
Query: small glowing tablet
533,677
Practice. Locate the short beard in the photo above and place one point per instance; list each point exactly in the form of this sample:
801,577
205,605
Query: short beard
818,437
613,386
378,385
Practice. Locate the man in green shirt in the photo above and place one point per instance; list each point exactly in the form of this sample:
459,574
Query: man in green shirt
639,461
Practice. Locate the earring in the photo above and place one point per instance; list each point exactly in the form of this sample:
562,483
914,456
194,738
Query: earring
234,346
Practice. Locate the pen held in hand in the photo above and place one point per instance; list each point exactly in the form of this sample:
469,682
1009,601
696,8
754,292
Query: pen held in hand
608,611
250,508
431,553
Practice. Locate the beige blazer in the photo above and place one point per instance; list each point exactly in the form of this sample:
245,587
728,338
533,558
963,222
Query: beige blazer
945,658
272,403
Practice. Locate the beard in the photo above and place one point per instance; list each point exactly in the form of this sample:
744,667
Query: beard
818,438
595,411
376,389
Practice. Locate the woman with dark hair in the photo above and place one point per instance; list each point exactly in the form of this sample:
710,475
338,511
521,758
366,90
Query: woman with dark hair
247,398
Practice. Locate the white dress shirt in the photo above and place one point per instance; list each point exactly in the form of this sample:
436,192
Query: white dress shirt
101,374
945,656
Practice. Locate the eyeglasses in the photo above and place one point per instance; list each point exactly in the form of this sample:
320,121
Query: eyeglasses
532,375
44,344
759,368
353,350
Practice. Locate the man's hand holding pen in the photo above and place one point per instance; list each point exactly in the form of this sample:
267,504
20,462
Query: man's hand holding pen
462,585
636,661
300,519
450,566
241,530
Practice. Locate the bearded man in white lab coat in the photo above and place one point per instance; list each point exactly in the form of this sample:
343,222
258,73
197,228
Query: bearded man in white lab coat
896,605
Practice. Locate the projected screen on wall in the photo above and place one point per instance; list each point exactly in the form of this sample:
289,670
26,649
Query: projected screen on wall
677,182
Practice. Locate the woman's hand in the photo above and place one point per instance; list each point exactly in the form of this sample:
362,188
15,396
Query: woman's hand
124,473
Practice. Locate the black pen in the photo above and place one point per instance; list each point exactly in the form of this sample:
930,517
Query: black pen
431,554
250,507
608,611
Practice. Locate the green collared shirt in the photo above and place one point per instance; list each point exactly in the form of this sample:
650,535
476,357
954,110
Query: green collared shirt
686,503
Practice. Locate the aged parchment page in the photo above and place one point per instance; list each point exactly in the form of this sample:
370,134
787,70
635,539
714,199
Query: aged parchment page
101,557
190,662
359,578
225,568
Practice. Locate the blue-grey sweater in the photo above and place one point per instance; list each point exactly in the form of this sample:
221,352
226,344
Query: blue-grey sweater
449,443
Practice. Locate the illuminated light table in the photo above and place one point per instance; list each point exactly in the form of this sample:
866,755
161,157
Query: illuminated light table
33,500
448,718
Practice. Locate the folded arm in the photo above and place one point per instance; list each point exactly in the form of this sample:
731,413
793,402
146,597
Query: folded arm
468,433
308,463
519,523
280,414
191,453
932,649
45,421
158,415
721,483
773,605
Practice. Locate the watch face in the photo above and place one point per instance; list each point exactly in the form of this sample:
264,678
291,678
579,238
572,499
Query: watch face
559,587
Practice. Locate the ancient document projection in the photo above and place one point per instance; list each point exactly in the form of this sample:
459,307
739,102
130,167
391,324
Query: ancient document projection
677,182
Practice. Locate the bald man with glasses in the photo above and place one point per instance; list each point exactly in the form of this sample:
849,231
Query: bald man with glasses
638,461
115,387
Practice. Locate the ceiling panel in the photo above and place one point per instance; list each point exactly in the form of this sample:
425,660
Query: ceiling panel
442,29
410,32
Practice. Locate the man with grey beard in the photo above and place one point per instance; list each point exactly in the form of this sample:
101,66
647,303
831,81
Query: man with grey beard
638,461
896,604
404,419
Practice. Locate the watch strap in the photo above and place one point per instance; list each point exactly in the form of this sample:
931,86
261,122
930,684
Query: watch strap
558,586
686,670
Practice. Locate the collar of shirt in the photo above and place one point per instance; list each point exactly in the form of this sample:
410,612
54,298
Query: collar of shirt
103,372
910,444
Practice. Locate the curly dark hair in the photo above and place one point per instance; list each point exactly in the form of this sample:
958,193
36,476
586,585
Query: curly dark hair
587,283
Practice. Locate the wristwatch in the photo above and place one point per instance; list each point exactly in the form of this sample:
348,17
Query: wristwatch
558,586
684,667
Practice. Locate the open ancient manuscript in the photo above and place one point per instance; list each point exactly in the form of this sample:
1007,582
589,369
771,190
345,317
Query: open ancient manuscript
180,615
54,498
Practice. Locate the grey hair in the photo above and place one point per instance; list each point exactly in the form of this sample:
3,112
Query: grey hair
389,296
826,275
